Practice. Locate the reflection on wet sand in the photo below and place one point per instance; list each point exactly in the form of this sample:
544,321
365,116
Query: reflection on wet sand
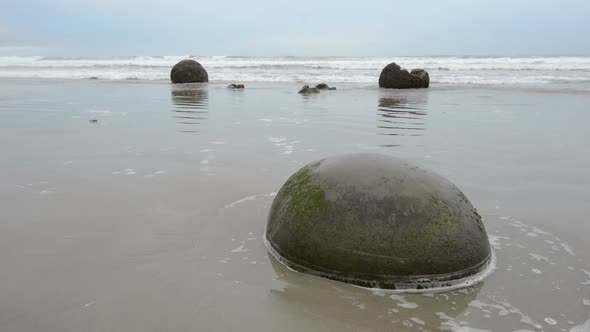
368,309
402,115
190,103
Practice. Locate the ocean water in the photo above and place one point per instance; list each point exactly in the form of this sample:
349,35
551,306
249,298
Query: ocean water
564,72
152,217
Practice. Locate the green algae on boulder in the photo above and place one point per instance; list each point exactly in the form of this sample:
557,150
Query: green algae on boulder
377,221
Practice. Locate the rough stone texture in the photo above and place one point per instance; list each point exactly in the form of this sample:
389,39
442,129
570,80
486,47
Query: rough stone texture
188,71
235,86
393,77
324,86
423,74
306,89
376,221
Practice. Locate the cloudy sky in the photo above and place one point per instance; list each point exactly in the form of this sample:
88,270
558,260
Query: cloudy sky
295,27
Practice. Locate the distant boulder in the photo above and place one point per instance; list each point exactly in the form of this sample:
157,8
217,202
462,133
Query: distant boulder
235,86
393,77
306,90
324,86
188,71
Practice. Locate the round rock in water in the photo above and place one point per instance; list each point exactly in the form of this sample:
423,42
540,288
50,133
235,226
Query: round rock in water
380,222
188,71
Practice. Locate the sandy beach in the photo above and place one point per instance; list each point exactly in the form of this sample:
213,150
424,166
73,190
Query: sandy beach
151,218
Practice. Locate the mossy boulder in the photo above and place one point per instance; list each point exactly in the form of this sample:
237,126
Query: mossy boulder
377,221
188,71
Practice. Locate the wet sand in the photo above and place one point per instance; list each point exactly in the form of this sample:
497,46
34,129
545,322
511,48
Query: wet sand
151,219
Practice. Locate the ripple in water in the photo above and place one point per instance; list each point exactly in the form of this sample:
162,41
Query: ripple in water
190,104
530,260
401,115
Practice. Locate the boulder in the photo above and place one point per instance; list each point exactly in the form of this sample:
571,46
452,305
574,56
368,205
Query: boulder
324,86
188,71
235,86
393,77
423,74
380,222
307,90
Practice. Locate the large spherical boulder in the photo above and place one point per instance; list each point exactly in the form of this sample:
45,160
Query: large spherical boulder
394,77
188,71
377,221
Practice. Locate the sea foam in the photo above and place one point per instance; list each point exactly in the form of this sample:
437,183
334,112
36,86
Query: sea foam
565,72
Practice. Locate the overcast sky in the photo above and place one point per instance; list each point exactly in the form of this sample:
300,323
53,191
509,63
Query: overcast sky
296,27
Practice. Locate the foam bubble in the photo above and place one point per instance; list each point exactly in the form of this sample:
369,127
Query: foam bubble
239,249
550,321
403,302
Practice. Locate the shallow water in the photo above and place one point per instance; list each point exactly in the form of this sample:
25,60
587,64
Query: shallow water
152,218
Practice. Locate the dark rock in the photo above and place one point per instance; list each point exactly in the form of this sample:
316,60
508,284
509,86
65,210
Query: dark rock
324,86
235,86
188,71
93,121
393,77
423,74
306,89
93,78
377,221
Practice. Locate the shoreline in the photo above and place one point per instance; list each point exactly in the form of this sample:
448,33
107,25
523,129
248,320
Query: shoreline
343,86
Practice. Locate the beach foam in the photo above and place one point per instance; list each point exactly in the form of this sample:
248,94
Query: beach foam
544,71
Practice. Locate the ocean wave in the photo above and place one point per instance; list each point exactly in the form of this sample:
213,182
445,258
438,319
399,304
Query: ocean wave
455,70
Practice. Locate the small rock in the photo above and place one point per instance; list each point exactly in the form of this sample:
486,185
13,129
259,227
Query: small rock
306,89
235,86
394,77
324,86
93,121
